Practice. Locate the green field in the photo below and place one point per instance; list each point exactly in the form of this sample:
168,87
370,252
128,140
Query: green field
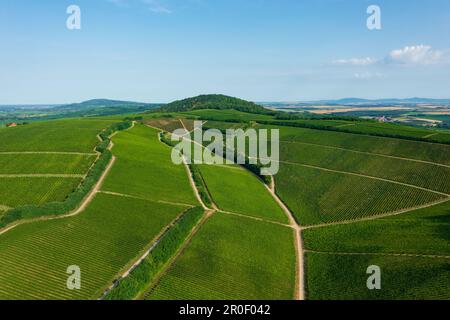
343,252
332,276
62,136
142,161
101,241
423,231
22,163
233,258
317,196
104,238
237,190
16,192
420,174
379,145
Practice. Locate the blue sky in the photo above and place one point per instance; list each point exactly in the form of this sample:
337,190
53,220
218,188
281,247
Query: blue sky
262,50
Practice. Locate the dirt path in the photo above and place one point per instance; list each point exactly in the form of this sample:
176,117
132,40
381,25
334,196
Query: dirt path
376,217
254,218
367,153
357,175
430,135
144,199
412,255
300,251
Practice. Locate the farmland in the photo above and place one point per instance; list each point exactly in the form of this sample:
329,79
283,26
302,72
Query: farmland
233,257
334,276
358,200
237,190
339,196
52,163
138,151
45,249
56,136
102,250
43,162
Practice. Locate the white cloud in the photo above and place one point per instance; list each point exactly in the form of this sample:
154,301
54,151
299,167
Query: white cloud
153,5
356,61
409,55
415,55
156,6
368,75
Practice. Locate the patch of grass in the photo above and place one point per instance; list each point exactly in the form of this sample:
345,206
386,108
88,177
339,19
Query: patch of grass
233,258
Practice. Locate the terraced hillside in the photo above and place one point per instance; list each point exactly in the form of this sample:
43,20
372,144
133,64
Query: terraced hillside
43,162
233,257
116,228
412,250
246,250
331,176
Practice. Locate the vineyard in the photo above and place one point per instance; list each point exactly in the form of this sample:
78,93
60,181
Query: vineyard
334,276
237,190
34,257
56,136
395,234
232,258
102,250
20,191
52,163
417,150
138,151
425,175
318,196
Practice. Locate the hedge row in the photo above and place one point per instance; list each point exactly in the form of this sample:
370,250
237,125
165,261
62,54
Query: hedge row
77,196
144,274
200,185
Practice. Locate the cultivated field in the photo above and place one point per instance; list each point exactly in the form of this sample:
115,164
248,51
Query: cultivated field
141,163
52,163
101,241
334,276
106,237
234,189
19,191
411,249
233,257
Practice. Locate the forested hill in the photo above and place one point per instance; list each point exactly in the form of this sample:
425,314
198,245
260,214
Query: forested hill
214,101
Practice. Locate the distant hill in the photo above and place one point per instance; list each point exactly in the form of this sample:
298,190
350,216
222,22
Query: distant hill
106,103
214,101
